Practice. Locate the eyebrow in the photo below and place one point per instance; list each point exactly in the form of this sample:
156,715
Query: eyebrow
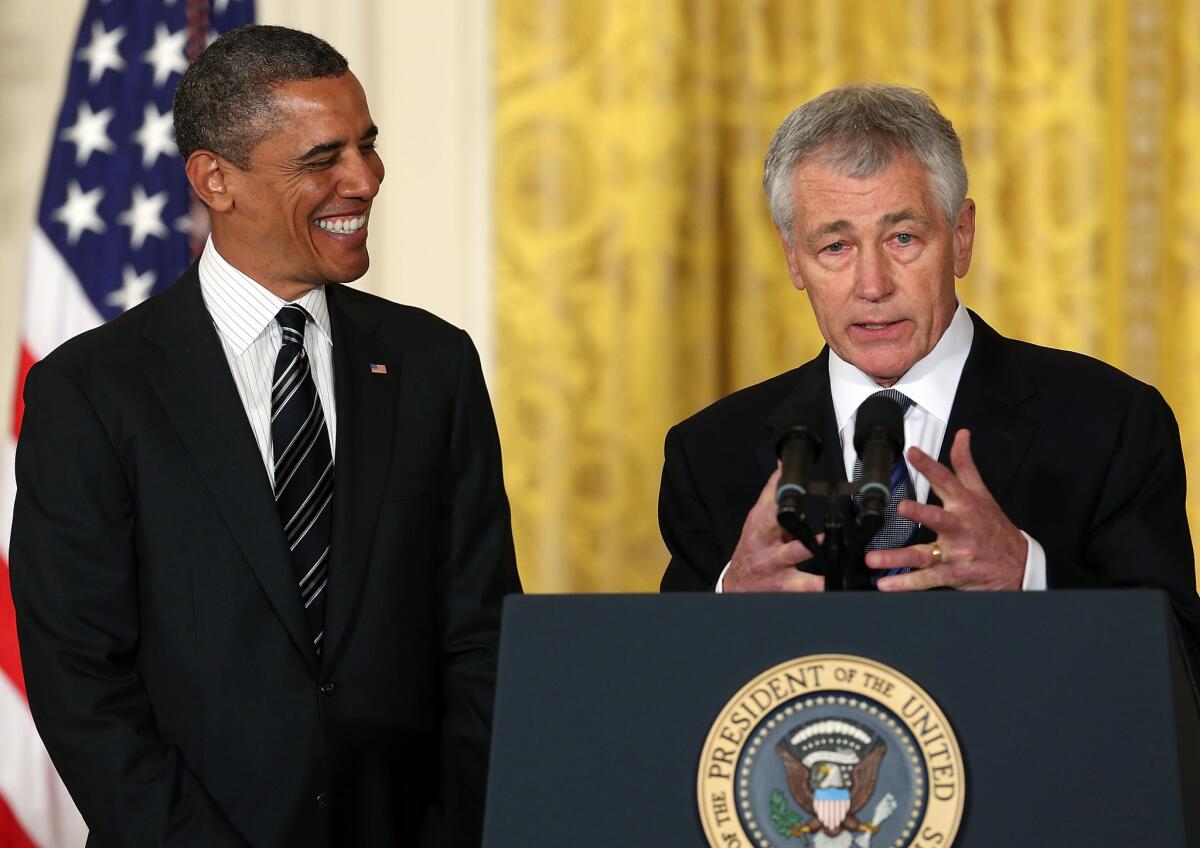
842,225
903,215
817,235
320,150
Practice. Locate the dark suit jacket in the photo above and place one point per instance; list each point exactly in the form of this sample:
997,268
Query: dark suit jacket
1082,457
167,658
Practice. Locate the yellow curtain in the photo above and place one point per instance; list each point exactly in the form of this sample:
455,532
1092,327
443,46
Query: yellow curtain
637,274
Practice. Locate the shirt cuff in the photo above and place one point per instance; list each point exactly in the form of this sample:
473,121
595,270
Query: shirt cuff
720,587
1035,566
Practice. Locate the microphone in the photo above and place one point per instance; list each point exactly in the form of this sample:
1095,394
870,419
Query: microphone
879,440
797,445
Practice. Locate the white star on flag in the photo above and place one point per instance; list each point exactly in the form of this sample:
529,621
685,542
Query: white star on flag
167,53
89,133
155,135
79,212
144,217
134,288
102,53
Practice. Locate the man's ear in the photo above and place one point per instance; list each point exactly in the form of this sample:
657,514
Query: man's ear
789,255
964,237
207,171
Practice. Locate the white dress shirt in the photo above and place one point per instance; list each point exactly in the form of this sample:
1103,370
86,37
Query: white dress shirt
931,384
244,314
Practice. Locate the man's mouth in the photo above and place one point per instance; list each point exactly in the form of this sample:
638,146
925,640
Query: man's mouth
877,329
875,325
343,224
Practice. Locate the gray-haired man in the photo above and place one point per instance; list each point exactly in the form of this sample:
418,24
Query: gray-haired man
1056,469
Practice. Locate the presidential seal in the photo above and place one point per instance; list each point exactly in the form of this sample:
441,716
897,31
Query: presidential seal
831,751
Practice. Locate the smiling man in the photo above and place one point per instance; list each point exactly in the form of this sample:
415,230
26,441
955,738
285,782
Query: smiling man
261,536
1055,470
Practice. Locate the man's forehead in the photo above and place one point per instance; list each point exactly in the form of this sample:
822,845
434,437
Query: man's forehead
320,98
320,112
827,200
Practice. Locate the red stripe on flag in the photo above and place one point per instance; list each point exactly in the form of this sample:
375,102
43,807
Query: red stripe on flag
10,656
25,363
12,835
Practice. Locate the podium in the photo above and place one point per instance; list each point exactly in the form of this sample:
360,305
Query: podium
1075,720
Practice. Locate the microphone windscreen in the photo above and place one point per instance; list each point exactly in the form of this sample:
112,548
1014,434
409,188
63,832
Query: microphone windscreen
879,417
803,422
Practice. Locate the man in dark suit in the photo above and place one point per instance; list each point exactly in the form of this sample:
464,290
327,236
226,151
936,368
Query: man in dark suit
1055,469
261,536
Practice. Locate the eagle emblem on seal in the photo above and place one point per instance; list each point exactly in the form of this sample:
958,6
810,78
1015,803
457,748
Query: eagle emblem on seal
832,766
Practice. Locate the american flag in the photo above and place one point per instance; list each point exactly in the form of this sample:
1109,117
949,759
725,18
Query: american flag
115,224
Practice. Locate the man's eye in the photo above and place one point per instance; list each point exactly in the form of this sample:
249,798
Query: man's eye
904,238
836,247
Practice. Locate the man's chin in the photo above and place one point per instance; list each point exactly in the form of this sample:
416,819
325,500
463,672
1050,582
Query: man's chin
346,273
884,370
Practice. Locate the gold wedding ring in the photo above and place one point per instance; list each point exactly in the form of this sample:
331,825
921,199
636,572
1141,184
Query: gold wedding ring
935,551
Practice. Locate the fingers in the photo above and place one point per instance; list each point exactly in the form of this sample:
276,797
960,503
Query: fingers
939,519
761,523
950,483
964,463
785,556
914,556
915,581
765,557
977,546
948,487
928,564
767,496
802,581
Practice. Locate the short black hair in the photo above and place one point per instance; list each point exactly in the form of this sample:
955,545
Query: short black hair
225,100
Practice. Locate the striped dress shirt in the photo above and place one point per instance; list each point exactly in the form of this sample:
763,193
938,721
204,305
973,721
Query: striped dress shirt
244,315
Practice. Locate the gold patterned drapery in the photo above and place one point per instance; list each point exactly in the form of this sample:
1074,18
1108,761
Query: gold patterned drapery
637,275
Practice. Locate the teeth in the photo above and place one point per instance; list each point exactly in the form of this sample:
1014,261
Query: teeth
342,225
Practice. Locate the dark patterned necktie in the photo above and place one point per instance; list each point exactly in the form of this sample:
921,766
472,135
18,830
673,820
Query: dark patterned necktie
896,530
303,467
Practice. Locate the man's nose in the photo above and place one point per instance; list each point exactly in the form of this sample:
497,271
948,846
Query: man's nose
873,274
361,175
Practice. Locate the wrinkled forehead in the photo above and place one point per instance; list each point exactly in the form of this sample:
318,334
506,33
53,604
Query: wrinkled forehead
824,192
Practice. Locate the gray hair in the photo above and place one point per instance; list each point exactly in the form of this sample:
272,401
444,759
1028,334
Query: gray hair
857,129
225,101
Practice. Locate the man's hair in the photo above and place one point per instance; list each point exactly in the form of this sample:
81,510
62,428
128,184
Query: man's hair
857,130
225,100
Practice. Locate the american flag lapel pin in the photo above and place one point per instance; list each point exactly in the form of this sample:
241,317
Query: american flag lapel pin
378,368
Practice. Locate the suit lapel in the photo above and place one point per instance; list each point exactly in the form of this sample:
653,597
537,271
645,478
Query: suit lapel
190,374
367,401
989,394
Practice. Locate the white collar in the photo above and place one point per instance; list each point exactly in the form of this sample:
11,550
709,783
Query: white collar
242,309
931,383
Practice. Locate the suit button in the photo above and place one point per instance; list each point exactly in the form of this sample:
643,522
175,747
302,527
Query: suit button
323,801
327,687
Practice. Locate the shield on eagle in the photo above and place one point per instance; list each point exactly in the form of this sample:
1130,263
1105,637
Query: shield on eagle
831,806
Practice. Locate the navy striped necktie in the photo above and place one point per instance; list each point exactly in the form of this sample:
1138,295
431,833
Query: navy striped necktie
303,469
896,530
